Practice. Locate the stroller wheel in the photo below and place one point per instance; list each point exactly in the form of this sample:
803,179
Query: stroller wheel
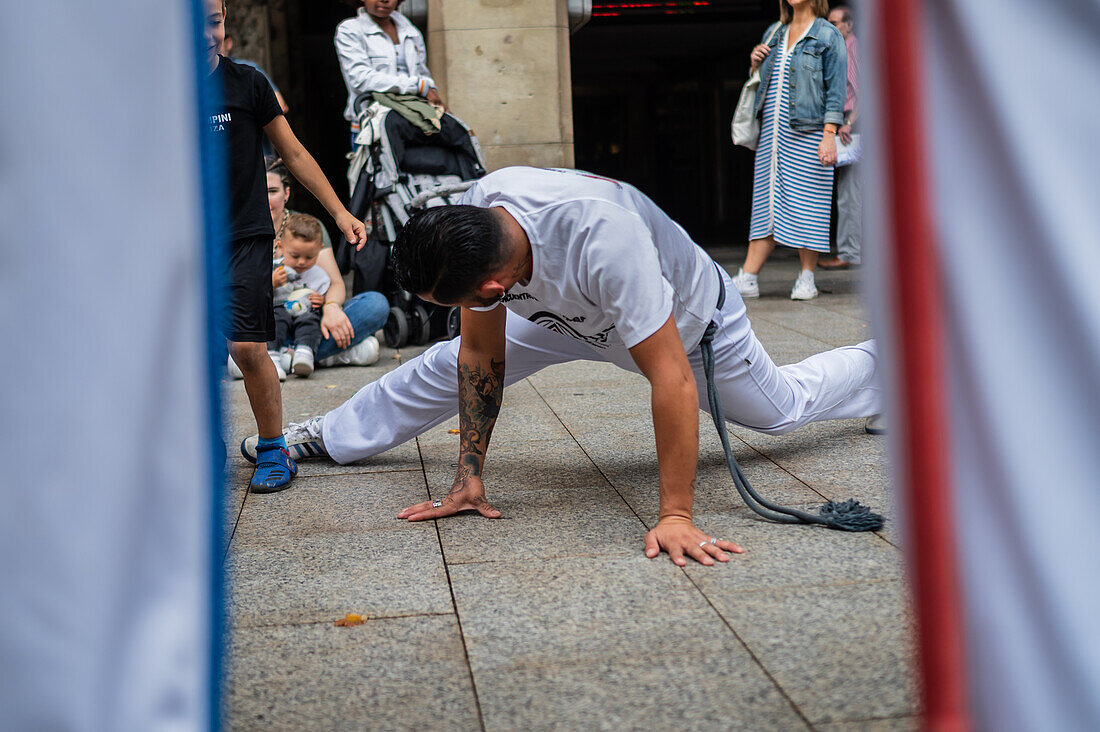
454,322
420,328
396,330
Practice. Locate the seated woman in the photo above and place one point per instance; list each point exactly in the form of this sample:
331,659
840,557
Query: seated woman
381,50
347,327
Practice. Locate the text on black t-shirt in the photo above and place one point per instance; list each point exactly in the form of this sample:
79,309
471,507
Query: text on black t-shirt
248,103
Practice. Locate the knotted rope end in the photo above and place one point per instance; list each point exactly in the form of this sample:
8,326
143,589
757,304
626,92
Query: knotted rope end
851,515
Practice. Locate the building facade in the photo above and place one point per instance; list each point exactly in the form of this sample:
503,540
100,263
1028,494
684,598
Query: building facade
644,91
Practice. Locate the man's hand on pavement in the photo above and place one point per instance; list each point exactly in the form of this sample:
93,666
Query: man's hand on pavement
467,494
679,537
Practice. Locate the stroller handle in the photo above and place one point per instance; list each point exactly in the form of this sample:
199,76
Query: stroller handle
361,103
445,189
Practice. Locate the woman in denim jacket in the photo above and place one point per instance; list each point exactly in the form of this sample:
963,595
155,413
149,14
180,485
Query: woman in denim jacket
803,67
381,50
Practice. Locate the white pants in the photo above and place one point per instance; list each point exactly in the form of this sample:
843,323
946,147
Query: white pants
837,384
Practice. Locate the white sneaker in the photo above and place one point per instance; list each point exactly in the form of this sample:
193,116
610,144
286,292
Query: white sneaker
303,441
804,287
746,284
235,370
363,353
876,425
303,361
286,358
274,356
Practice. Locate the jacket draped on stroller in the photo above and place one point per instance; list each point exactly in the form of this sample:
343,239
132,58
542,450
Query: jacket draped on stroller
394,170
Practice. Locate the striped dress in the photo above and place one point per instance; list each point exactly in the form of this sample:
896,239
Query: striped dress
791,190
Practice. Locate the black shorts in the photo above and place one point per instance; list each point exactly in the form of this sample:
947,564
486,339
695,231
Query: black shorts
250,315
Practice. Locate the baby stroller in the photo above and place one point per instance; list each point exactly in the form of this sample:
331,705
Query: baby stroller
395,170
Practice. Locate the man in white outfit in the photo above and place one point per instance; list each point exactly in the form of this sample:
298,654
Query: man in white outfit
552,266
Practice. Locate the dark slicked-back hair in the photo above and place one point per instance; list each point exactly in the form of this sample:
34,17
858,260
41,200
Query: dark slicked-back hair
447,252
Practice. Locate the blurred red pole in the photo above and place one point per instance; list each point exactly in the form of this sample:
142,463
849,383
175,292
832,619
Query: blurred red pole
915,281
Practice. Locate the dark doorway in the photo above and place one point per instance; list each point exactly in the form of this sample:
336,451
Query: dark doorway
654,88
315,93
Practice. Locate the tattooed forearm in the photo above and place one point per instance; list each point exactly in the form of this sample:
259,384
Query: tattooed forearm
480,391
459,485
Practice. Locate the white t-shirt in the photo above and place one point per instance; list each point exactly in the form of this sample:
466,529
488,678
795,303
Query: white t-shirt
315,278
609,266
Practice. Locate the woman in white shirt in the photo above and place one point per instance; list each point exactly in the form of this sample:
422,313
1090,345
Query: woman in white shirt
381,50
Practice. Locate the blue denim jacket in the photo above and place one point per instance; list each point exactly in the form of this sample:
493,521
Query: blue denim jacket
817,75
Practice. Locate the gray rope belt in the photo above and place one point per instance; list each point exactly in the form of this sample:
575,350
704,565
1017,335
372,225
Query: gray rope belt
848,515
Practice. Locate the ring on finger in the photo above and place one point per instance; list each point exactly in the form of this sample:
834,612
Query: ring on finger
437,503
703,543
714,540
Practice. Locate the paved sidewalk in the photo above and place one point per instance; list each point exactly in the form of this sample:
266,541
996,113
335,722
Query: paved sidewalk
552,618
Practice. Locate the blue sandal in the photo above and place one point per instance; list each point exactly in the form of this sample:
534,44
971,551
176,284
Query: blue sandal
274,470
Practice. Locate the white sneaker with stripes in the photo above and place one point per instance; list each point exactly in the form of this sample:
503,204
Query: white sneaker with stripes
303,441
746,284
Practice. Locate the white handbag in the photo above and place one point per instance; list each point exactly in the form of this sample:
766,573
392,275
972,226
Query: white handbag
745,127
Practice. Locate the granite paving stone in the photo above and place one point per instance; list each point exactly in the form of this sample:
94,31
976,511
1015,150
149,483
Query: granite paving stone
565,609
287,579
705,687
816,323
895,724
714,492
608,403
562,644
584,521
630,464
840,652
516,465
387,674
401,458
786,556
523,416
324,505
232,505
838,458
552,617
553,500
850,306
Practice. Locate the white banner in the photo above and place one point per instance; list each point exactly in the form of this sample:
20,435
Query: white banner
106,522
1008,98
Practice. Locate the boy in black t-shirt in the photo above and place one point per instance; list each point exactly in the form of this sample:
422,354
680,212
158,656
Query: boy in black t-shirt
249,111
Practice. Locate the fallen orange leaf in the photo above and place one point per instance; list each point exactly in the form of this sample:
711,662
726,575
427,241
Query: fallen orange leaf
453,432
349,620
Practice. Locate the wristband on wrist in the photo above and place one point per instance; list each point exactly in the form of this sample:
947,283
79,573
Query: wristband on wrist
330,303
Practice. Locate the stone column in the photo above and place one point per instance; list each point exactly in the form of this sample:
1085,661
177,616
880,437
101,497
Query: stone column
502,66
249,23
